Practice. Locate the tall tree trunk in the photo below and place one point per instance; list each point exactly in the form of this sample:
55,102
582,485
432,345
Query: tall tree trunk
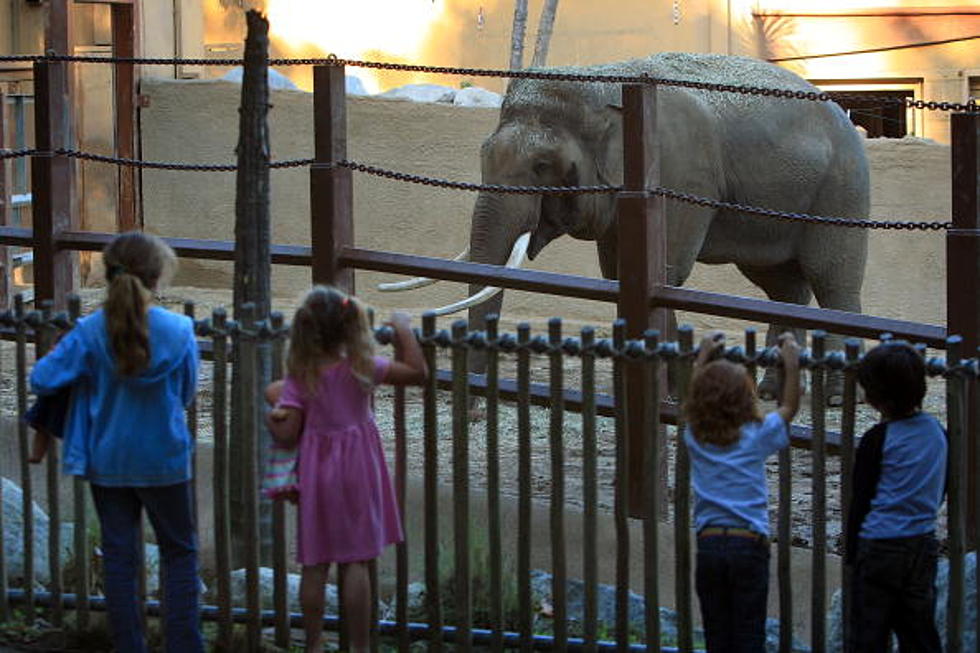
517,36
253,264
545,25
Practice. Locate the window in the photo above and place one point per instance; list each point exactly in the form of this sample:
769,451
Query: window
876,111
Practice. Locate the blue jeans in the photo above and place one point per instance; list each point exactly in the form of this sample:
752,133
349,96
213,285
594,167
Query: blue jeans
893,591
732,581
169,510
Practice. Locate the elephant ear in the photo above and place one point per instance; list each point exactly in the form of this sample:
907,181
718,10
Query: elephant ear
608,150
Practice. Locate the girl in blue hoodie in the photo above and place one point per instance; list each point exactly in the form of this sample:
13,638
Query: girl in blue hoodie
132,367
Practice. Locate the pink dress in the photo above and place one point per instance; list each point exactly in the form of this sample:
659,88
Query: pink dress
347,507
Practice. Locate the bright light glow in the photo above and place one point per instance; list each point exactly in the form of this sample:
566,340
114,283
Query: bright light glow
353,29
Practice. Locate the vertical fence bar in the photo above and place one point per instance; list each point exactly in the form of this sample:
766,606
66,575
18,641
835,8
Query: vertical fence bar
401,549
818,407
590,548
43,336
280,591
247,348
4,601
374,640
556,426
27,490
642,264
682,500
784,568
963,272
81,551
848,420
433,598
6,270
651,513
493,484
524,484
621,495
189,310
462,602
222,523
331,187
957,495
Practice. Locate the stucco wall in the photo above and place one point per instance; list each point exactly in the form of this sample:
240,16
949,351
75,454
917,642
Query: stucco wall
197,121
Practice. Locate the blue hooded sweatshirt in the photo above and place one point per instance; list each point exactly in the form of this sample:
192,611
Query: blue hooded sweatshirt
125,431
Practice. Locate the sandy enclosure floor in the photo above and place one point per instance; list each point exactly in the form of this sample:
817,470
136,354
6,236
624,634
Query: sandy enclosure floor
802,460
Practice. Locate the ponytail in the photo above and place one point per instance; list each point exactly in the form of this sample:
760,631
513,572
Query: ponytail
136,263
126,308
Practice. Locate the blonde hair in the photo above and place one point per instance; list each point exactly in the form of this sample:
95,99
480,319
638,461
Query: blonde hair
136,264
720,400
330,323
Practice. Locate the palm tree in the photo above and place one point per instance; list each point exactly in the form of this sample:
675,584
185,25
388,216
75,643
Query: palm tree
545,25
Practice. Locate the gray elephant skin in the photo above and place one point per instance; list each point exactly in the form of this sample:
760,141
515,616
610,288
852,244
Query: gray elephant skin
781,154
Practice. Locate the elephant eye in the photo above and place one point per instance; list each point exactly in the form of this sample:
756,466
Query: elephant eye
541,168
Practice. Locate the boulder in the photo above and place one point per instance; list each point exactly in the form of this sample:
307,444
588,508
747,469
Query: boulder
606,608
277,81
354,86
13,536
421,93
474,96
266,576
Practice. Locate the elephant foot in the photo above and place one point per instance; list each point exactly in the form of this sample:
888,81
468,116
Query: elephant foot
476,410
768,388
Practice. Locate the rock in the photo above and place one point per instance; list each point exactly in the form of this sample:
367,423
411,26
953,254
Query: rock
354,86
474,96
266,576
277,81
606,608
13,536
421,93
835,630
416,602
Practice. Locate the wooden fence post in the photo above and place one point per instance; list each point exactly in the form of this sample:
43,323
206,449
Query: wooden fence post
52,180
642,267
124,78
331,192
963,281
6,272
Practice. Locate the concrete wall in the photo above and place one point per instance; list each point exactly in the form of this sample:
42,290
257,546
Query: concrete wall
197,121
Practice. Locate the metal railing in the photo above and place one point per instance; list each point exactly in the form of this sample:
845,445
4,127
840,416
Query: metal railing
507,435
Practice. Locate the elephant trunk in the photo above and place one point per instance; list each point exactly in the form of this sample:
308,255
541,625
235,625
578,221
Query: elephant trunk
497,223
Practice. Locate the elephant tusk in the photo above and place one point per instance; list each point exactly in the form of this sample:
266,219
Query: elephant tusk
517,255
418,282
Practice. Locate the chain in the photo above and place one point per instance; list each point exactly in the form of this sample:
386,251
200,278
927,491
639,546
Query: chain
789,94
16,154
686,198
162,165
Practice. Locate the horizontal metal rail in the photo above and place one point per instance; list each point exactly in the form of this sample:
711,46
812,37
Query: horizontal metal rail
565,285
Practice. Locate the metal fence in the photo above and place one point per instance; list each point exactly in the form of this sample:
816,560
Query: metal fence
515,361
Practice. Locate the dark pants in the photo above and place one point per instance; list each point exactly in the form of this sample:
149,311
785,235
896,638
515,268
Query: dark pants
893,591
732,581
169,510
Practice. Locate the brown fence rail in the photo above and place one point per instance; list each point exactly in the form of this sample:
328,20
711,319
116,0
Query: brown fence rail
466,619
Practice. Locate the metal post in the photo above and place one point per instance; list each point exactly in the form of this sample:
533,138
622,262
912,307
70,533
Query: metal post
51,182
124,81
642,266
963,274
331,192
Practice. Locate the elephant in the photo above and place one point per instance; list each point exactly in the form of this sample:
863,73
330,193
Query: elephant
784,154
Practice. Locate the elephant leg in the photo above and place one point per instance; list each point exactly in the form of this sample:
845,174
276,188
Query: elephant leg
835,290
782,283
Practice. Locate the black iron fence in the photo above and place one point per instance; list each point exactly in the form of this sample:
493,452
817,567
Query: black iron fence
497,599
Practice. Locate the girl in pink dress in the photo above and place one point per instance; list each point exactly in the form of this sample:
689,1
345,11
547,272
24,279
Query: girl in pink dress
347,508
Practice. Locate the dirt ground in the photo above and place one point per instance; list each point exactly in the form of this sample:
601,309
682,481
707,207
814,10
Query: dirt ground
802,460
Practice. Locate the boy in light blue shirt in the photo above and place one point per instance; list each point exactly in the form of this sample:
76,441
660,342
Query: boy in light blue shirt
899,483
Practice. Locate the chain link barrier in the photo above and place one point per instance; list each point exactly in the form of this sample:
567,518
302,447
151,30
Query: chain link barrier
686,198
970,106
274,328
384,173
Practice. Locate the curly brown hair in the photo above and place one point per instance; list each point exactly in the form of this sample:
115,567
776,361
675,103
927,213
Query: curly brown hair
720,400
